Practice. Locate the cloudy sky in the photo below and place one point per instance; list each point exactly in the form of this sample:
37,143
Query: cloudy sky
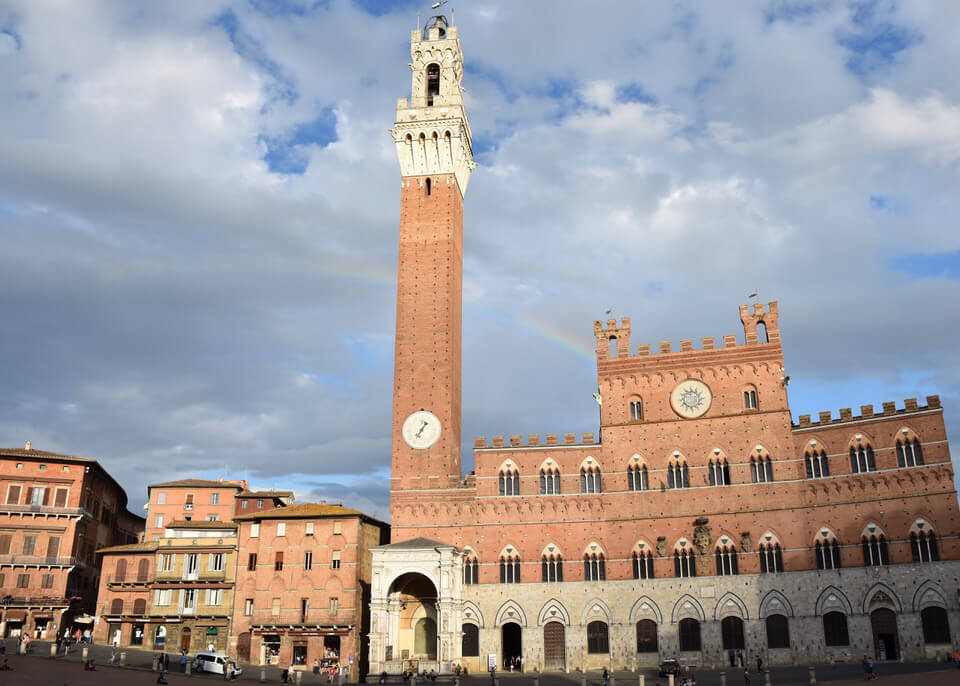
199,207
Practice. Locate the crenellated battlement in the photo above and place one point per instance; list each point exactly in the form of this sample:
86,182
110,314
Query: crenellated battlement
533,441
611,337
867,412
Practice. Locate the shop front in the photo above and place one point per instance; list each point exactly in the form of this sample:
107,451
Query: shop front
302,648
14,622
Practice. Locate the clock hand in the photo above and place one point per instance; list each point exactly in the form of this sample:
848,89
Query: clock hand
422,427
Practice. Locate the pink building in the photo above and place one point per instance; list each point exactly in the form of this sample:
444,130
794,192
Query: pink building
202,500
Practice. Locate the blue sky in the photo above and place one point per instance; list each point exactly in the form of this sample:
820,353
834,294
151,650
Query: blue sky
199,208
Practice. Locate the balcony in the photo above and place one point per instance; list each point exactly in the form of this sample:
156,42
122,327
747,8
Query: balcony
40,561
313,618
125,579
33,601
213,576
44,510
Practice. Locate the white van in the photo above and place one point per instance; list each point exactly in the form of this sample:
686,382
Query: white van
213,662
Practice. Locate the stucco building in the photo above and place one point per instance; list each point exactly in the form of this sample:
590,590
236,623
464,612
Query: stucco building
173,593
701,519
56,511
190,500
303,586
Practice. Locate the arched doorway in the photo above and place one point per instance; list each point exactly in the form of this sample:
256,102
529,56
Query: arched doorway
554,647
886,642
731,631
185,639
511,642
413,597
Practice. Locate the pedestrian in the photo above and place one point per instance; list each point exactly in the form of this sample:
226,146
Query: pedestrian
166,662
493,673
183,660
733,657
759,665
284,676
606,677
316,666
3,647
519,663
746,677
740,657
870,668
866,668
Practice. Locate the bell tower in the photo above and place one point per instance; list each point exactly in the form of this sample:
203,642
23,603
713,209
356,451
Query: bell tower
433,142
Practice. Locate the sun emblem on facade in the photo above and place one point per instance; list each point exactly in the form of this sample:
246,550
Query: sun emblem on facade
691,398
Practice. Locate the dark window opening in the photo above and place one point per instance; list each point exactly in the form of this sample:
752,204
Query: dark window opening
433,82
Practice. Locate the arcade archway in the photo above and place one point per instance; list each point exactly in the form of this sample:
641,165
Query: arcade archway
413,617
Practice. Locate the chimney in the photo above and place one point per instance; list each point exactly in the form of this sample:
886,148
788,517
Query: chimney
27,446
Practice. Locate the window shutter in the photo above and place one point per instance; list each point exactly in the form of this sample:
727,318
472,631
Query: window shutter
29,496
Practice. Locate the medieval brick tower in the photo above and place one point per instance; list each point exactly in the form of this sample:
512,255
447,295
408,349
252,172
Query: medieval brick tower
433,144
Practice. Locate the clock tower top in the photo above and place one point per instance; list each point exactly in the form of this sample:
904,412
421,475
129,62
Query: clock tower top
432,132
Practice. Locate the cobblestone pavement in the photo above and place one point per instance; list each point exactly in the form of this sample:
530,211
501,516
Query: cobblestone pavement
38,669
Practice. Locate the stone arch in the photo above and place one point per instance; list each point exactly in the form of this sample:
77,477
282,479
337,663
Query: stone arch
687,606
510,551
594,548
775,603
645,608
725,539
832,598
511,611
729,605
472,613
921,525
553,611
425,571
880,595
929,594
508,465
590,462
549,464
594,610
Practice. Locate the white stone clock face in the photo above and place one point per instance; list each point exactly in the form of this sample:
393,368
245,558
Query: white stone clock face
421,429
691,398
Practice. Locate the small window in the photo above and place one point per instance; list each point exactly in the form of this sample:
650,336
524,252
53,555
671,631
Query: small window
248,607
338,527
334,605
161,498
23,581
214,597
433,82
13,495
750,399
636,411
214,498
43,468
65,468
282,529
428,184
213,518
47,581
252,562
275,607
116,607
335,560
308,530
243,504
278,561
259,504
308,560
254,530
470,570
19,465
217,562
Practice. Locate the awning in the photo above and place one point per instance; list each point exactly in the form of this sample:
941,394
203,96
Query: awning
42,615
14,615
83,619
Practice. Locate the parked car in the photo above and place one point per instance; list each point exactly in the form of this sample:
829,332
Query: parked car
213,662
670,666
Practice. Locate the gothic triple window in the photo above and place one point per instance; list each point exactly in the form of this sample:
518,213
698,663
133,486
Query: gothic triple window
549,481
552,567
761,469
678,475
590,480
642,565
594,567
771,558
719,472
510,569
637,479
684,563
861,459
509,482
817,463
923,545
828,554
909,453
726,560
471,567
875,550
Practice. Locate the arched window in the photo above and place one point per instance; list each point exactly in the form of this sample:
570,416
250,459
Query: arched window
550,481
428,184
771,558
875,550
778,632
471,640
471,569
761,469
719,472
594,567
590,480
643,565
750,398
861,459
646,636
689,631
509,482
510,569
636,410
598,641
143,570
817,463
116,607
923,545
835,629
936,626
909,453
637,479
552,567
613,347
684,560
726,560
827,550
121,571
433,82
140,606
678,475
